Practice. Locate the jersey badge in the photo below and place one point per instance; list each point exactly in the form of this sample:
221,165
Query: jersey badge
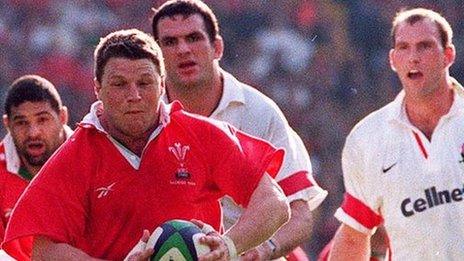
182,175
180,153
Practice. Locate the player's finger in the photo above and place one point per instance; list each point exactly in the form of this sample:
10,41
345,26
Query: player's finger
146,254
145,236
205,228
142,255
212,241
250,255
213,255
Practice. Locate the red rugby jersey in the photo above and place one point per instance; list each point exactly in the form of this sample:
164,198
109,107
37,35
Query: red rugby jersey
89,196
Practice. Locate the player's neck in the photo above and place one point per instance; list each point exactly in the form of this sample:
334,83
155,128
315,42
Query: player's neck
31,169
135,144
202,99
425,113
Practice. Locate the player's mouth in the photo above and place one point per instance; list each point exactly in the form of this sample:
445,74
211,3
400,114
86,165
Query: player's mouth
134,112
35,148
415,75
187,66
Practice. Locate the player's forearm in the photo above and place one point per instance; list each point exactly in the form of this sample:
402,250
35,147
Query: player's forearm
350,244
45,249
267,210
295,231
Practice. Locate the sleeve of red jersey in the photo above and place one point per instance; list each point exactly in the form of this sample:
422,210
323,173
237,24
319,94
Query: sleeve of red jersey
360,205
2,230
244,160
51,206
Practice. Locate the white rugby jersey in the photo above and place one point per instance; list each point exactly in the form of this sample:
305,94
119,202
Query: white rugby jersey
254,113
395,175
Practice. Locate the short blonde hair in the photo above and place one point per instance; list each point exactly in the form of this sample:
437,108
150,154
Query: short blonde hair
415,15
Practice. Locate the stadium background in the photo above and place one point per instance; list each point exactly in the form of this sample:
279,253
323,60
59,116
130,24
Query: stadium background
325,62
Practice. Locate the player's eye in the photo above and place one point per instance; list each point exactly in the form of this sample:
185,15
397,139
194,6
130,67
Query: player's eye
144,83
194,37
20,123
43,120
425,45
118,84
169,41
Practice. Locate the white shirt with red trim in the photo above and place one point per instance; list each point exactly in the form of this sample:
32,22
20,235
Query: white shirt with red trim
252,112
96,195
395,175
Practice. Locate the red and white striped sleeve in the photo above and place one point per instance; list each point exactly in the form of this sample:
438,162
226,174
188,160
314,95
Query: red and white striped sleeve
295,178
360,207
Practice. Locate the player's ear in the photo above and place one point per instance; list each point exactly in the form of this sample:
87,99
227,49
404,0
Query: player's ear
6,121
96,87
162,85
450,55
64,116
218,47
391,57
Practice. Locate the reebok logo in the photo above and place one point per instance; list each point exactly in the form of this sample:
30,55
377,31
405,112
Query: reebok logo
104,190
385,170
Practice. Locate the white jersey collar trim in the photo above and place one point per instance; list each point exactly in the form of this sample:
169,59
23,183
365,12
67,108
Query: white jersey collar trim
134,160
232,92
398,110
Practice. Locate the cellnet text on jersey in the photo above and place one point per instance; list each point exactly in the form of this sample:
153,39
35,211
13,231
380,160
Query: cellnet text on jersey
432,199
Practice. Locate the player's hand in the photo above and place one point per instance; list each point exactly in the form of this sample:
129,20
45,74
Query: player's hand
139,252
258,253
215,242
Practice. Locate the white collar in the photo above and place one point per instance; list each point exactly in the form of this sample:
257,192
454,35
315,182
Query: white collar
92,120
232,92
398,109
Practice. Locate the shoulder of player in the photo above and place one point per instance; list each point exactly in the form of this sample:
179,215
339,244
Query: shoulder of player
3,169
259,107
370,133
4,173
252,96
373,125
194,121
2,152
81,142
257,99
200,126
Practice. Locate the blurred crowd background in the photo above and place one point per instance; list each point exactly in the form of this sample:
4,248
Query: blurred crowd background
324,62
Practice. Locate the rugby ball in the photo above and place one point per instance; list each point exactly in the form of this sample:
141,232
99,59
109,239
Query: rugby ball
177,240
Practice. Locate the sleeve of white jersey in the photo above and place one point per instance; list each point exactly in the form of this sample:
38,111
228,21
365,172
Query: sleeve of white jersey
360,205
295,176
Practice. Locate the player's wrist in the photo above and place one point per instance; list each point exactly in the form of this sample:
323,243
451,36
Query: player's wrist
231,248
273,248
265,251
